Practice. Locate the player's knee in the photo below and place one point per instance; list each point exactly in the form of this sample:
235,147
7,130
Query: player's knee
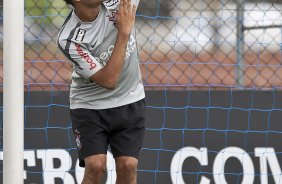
127,167
96,168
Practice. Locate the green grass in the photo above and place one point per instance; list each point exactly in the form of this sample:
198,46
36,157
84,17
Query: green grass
45,11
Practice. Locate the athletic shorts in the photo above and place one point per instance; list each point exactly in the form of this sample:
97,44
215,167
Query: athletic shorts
121,128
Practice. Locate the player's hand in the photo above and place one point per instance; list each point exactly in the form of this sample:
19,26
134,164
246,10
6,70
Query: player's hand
126,17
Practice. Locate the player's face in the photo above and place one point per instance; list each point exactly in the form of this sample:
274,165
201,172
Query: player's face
91,3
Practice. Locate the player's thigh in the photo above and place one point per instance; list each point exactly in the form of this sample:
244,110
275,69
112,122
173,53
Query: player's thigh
127,139
90,133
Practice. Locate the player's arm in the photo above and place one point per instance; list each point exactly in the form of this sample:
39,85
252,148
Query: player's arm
85,64
109,75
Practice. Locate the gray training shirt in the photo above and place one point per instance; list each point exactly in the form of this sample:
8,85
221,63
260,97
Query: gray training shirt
89,46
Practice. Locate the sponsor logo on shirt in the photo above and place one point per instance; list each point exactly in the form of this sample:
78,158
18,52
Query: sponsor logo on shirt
85,56
111,4
80,35
104,56
92,46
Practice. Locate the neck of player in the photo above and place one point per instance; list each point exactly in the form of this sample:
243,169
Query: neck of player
87,14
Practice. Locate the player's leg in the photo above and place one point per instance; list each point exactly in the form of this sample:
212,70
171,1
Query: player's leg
91,136
126,138
95,168
126,168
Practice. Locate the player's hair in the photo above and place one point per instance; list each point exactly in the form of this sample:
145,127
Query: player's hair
69,2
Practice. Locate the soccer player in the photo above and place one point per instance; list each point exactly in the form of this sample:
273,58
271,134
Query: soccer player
107,99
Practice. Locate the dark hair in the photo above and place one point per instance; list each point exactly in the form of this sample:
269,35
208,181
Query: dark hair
69,2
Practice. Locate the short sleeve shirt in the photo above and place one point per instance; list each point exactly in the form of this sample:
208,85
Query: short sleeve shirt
89,45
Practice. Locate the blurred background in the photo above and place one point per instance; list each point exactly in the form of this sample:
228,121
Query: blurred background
183,44
212,70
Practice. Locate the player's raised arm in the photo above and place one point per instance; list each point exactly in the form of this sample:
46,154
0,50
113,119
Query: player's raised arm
109,75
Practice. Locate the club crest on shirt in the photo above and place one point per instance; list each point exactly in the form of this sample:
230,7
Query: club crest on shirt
77,139
111,4
113,17
80,35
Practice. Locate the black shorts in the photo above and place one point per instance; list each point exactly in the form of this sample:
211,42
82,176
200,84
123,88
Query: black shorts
121,128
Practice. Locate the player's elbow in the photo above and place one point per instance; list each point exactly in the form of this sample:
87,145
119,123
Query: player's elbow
110,86
105,80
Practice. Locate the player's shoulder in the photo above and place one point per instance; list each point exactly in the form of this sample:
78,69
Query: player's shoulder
69,28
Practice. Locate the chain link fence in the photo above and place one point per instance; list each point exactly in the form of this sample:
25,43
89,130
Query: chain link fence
184,44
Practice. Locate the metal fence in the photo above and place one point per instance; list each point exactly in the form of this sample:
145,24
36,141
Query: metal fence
184,44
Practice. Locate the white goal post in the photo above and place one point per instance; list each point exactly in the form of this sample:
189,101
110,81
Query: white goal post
13,91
